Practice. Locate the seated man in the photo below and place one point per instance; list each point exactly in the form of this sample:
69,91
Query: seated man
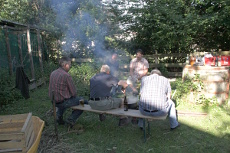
100,91
62,88
155,98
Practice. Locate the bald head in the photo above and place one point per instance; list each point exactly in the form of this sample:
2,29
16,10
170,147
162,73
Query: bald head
105,68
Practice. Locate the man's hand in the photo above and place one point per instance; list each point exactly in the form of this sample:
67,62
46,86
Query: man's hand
144,74
123,83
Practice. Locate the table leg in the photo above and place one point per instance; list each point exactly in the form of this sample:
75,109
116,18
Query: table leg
148,127
144,129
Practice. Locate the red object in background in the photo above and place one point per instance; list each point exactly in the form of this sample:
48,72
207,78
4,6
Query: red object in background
225,60
213,61
209,61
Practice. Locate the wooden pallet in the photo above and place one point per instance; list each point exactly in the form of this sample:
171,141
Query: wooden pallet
16,133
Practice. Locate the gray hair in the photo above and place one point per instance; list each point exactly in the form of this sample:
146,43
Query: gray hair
63,61
105,68
156,71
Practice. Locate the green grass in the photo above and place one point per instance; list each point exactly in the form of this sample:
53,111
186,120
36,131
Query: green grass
209,133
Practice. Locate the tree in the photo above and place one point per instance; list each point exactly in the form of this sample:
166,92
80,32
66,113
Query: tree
213,24
174,26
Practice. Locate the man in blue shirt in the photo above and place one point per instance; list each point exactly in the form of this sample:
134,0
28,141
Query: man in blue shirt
100,87
100,91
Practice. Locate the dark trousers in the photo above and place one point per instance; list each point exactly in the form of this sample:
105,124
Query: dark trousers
74,101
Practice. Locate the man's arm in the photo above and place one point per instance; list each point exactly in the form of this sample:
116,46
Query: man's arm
145,71
71,86
144,74
123,83
131,71
169,90
169,95
131,68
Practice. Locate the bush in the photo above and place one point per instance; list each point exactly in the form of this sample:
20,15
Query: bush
190,90
8,93
49,67
163,70
81,74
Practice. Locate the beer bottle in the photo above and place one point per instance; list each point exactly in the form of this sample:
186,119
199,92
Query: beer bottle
125,104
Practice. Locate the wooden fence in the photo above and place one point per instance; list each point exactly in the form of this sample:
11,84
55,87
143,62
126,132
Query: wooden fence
20,36
156,60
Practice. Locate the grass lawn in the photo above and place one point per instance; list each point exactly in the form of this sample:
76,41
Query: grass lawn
209,133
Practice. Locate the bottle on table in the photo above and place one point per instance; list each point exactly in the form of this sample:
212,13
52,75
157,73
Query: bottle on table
125,104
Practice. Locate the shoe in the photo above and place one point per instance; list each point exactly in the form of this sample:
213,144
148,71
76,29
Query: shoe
102,117
60,121
175,127
123,122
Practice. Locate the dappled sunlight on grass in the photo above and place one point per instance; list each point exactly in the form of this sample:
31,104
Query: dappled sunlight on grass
217,122
210,133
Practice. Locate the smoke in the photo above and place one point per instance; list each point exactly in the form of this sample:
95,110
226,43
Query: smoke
81,22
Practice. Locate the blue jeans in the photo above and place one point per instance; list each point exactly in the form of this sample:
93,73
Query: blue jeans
74,101
170,110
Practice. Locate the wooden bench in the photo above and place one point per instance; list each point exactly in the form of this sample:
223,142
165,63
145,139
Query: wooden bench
121,112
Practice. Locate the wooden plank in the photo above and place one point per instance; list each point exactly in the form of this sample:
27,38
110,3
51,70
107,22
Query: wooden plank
118,112
151,65
11,127
30,54
23,141
11,136
153,56
29,134
28,120
38,127
174,74
28,128
32,86
31,140
170,74
10,150
13,118
11,144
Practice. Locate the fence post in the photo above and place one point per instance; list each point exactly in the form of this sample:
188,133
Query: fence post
156,58
40,55
20,49
30,54
8,52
